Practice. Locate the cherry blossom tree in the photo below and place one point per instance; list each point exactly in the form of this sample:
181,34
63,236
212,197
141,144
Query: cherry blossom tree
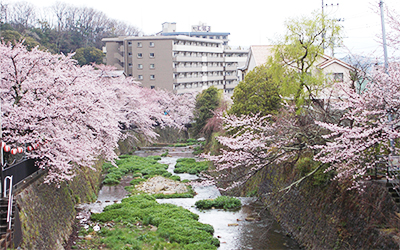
253,143
347,140
365,129
73,114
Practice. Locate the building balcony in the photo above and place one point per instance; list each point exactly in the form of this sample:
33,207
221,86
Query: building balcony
198,69
187,80
191,48
215,59
187,69
216,68
230,68
187,59
215,78
231,77
235,59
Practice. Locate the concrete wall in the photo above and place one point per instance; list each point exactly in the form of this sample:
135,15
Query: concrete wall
47,212
323,214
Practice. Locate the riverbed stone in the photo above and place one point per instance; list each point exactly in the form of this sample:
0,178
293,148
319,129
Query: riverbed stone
162,185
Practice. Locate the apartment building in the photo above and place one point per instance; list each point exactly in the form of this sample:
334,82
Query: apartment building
201,30
178,63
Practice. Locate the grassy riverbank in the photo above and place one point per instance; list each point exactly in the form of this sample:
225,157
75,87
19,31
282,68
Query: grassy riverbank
139,222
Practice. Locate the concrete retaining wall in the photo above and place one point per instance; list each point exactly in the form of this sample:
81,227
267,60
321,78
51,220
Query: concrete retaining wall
47,212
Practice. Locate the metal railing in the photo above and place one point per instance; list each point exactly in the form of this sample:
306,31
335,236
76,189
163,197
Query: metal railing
10,198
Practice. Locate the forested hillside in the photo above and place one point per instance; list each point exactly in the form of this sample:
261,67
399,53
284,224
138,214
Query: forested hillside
61,28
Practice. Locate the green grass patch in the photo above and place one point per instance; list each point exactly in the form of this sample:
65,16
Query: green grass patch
225,202
190,165
188,142
174,224
189,194
144,167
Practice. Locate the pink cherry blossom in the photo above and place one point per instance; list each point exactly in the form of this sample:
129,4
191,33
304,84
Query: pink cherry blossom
75,113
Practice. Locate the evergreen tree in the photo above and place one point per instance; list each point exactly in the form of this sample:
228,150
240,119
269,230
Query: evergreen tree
206,102
87,56
258,93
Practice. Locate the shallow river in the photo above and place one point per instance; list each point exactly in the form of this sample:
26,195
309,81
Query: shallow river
232,229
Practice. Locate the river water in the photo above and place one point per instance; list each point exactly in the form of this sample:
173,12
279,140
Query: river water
252,227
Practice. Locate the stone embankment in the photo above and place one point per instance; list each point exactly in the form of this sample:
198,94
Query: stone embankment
162,185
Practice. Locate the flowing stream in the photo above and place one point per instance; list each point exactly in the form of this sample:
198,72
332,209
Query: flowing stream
252,227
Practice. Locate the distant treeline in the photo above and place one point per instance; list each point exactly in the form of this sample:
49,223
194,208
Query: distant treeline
61,28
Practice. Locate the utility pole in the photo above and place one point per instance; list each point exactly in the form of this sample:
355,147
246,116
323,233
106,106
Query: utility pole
323,27
331,42
386,65
384,36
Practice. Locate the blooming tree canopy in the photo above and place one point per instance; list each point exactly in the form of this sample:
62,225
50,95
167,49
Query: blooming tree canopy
74,113
365,129
253,143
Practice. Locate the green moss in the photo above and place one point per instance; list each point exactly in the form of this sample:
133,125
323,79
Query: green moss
224,202
190,165
77,199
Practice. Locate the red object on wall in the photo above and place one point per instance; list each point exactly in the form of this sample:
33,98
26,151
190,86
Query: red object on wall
14,151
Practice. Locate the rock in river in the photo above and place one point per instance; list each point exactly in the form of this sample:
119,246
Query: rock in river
162,185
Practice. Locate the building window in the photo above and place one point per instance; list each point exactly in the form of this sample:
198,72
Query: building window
140,77
152,66
140,66
139,55
130,43
152,77
130,65
151,55
130,54
338,77
139,44
152,87
151,44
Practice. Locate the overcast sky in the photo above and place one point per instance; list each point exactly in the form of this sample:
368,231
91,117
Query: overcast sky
249,22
